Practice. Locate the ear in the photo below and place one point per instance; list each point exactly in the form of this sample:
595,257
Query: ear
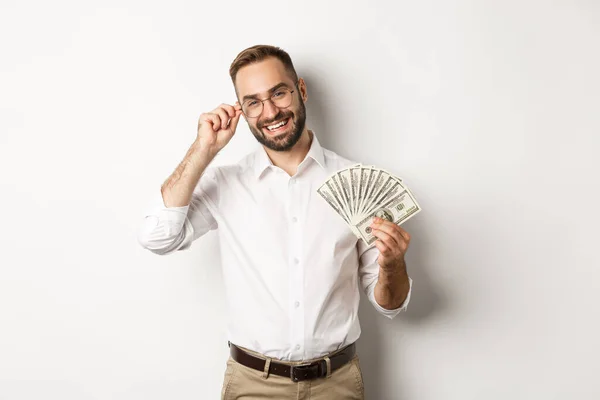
302,88
237,103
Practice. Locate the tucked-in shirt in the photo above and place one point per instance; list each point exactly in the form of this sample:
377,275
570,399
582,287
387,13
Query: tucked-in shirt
292,268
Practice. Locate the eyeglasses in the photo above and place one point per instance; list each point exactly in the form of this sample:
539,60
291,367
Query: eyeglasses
282,98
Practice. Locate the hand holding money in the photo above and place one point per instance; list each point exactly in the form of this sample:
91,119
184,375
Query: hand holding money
392,244
359,193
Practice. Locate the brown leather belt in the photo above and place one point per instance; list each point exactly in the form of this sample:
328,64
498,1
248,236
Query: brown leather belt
297,373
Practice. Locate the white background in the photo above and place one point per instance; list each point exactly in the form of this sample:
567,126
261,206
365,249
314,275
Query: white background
488,110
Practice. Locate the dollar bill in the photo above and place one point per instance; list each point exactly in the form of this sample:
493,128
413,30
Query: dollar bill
397,209
376,184
369,175
327,193
364,173
388,189
344,183
355,187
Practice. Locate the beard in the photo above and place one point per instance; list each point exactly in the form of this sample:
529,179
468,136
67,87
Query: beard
286,141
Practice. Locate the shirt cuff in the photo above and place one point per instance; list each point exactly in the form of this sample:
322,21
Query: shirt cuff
172,218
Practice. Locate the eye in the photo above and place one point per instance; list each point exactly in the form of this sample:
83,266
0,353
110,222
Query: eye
251,103
279,93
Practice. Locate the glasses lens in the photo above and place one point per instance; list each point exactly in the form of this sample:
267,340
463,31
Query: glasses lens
252,108
282,98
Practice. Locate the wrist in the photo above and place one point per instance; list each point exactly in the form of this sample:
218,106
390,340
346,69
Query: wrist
398,268
392,277
204,151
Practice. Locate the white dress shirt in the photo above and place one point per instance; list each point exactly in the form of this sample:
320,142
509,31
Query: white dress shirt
291,266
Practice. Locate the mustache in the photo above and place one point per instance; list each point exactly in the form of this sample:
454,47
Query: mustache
278,117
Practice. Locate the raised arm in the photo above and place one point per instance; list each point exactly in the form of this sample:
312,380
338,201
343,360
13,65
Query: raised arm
215,130
179,216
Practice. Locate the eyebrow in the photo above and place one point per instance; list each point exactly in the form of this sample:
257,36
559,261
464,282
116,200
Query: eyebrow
255,96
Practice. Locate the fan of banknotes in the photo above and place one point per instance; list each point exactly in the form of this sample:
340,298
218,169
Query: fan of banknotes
361,192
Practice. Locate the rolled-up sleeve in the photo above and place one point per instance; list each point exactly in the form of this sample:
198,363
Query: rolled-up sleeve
368,272
165,230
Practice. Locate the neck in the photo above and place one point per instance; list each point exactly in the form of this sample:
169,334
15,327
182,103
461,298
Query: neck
290,159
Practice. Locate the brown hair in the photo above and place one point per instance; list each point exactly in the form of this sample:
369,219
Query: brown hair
258,53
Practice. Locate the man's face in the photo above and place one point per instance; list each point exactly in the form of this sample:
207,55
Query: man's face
258,80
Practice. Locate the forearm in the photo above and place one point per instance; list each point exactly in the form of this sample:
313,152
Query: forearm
392,287
178,188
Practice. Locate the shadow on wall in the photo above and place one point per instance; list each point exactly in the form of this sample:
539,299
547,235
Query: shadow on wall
375,351
318,107
378,349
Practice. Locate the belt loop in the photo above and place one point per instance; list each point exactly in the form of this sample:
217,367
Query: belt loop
328,362
266,370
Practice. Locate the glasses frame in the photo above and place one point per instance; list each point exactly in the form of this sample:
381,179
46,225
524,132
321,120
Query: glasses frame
271,99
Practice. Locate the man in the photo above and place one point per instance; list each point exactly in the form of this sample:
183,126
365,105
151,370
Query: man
291,267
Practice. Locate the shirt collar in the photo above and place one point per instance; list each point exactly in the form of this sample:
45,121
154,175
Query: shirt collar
262,160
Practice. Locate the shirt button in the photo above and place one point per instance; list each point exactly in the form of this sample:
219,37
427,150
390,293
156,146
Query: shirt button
296,261
297,347
296,304
294,219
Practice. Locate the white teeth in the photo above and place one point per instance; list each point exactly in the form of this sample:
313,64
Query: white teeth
272,127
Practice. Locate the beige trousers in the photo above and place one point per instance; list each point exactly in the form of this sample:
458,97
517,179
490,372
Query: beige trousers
244,383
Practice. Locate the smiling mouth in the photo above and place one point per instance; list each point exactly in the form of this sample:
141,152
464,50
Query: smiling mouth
277,127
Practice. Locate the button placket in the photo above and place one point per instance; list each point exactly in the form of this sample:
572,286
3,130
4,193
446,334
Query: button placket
296,274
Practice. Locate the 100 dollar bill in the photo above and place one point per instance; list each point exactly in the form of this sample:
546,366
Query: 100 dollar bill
397,209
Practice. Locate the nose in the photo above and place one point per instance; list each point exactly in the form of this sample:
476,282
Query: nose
269,110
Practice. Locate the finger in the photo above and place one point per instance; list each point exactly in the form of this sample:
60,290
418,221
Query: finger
385,222
213,119
401,232
234,121
383,249
238,106
389,230
228,109
224,117
388,239
404,234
